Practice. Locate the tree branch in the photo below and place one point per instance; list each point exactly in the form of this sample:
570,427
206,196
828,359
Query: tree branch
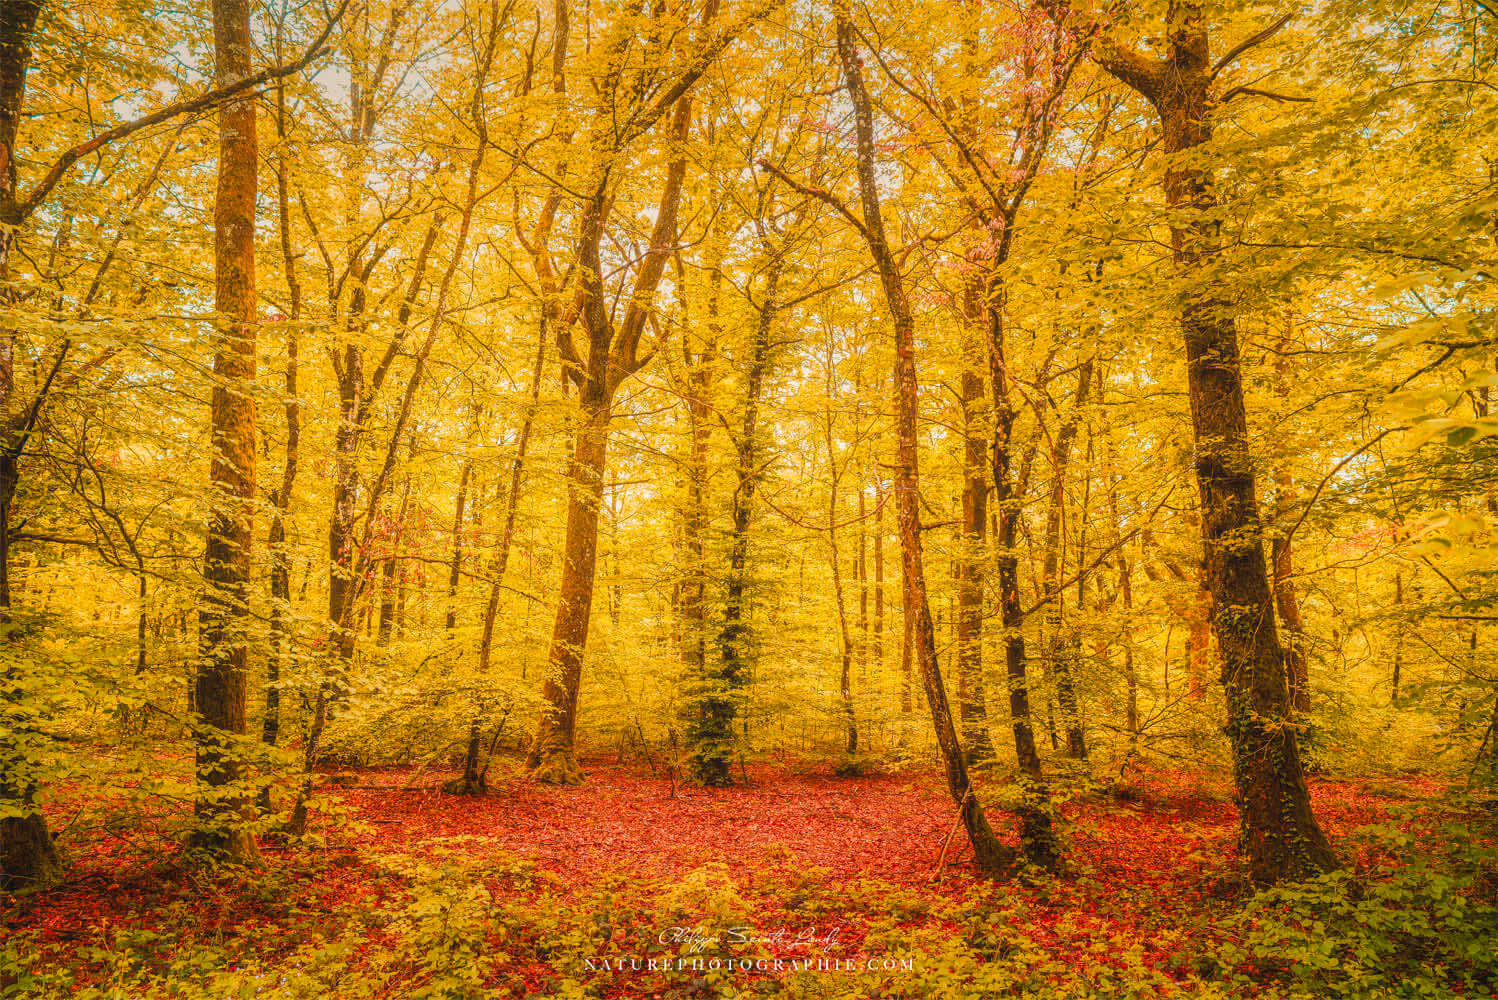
22,210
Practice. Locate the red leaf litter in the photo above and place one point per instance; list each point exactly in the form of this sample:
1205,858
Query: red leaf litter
1158,860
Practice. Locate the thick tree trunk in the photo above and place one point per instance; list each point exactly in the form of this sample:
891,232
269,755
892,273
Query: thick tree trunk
222,805
701,688
1280,835
553,755
28,857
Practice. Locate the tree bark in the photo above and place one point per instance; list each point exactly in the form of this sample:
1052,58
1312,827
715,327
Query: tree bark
28,857
222,806
972,702
712,761
1279,832
990,855
1056,657
553,756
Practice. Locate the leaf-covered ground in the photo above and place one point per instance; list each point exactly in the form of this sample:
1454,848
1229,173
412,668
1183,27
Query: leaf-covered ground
545,891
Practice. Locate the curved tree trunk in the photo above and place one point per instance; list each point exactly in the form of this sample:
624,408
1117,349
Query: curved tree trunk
990,855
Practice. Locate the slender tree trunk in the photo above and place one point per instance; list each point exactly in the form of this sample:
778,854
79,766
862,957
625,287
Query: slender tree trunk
1037,833
989,853
472,781
1055,651
222,806
1398,640
714,760
280,568
906,657
850,721
878,627
1288,605
455,563
391,588
1280,835
972,702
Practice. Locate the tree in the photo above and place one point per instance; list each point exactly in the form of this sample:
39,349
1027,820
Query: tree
1281,837
223,808
611,353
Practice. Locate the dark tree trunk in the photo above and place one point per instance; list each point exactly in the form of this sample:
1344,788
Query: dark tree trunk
713,761
1056,658
28,857
1280,835
972,701
990,855
223,807
1037,833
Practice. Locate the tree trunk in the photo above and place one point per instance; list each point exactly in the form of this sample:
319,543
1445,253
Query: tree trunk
280,569
1037,833
611,356
713,760
702,741
1280,835
473,780
972,702
28,857
553,756
222,806
455,565
1288,604
989,854
878,627
1056,657
391,588
850,721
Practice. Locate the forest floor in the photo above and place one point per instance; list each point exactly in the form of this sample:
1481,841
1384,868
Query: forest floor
633,885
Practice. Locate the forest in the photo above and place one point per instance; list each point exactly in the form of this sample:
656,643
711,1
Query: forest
748,498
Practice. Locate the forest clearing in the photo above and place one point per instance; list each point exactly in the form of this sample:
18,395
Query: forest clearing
718,498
